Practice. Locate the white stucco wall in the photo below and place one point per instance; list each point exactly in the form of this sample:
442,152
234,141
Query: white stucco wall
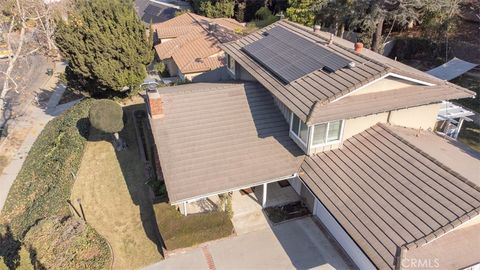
422,117
356,125
342,237
385,84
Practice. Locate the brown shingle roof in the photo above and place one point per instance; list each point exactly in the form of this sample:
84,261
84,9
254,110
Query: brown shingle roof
218,137
366,104
191,22
301,95
388,194
191,46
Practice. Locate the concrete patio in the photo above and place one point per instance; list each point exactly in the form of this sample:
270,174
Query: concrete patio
247,209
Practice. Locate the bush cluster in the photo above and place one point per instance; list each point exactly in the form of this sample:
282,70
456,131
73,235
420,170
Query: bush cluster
36,219
43,185
180,231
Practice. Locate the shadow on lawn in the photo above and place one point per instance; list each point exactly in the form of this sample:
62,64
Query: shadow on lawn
132,168
133,172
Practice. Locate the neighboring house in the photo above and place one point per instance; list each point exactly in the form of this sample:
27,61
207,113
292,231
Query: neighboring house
350,129
189,44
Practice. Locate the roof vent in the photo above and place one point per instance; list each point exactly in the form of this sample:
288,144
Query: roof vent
328,69
212,27
351,65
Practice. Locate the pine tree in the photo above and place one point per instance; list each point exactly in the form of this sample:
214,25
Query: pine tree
107,47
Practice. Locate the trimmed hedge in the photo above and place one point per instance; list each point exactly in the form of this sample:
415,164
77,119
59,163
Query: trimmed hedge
43,185
180,231
67,243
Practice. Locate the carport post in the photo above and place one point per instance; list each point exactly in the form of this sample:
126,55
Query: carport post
264,197
459,127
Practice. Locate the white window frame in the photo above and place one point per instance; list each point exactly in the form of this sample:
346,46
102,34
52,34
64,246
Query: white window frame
232,70
342,125
298,131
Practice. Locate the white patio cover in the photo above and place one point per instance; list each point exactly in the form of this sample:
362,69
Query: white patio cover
452,69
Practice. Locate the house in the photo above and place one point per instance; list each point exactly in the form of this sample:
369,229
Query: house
189,43
351,130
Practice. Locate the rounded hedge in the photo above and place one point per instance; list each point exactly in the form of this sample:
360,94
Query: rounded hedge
106,115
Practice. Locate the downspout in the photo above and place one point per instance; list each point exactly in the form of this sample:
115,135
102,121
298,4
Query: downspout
398,258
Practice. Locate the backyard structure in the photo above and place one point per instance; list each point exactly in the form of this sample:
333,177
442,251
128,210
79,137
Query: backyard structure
450,119
277,121
451,116
189,44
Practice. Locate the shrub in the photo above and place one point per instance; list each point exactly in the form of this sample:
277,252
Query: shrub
36,212
106,115
162,70
68,243
180,231
43,185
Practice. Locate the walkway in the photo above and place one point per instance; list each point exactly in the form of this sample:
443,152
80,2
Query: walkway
297,244
31,124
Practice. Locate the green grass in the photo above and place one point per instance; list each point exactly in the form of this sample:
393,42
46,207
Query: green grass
179,231
43,185
67,244
470,135
36,211
115,198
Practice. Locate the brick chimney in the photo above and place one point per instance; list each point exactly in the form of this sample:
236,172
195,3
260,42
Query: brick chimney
155,105
316,29
358,47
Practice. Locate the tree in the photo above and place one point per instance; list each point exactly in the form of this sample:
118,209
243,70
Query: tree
217,9
107,47
303,11
26,27
107,116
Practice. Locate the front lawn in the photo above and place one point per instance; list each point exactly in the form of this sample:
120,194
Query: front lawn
179,231
115,198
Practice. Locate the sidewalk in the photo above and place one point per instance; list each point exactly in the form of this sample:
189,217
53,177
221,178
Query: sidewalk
33,122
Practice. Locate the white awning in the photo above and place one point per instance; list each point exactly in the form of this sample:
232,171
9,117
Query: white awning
452,69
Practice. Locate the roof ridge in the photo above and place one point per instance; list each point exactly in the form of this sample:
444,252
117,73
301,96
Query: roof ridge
304,28
203,87
386,70
388,67
452,224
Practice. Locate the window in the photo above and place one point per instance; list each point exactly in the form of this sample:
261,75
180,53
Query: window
299,128
231,63
327,132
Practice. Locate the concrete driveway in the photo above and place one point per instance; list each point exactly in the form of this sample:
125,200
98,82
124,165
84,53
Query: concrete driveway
297,244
